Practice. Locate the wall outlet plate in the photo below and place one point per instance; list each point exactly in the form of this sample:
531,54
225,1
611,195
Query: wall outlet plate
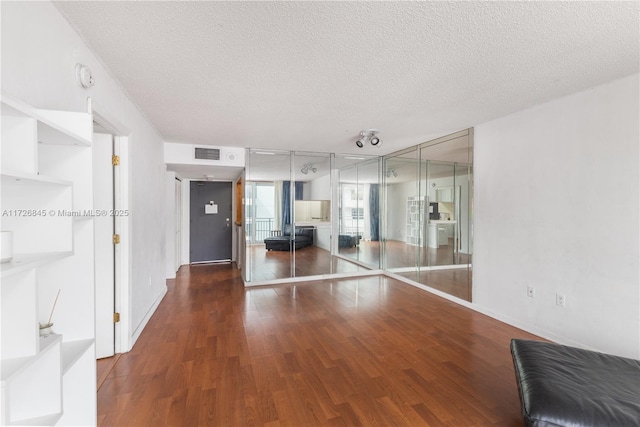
531,292
561,300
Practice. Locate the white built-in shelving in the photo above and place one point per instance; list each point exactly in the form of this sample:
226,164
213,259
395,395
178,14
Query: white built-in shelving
415,220
46,179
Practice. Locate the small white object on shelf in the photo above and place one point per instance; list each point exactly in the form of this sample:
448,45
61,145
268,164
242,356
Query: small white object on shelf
46,329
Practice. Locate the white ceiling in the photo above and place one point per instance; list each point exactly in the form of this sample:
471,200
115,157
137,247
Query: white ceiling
310,75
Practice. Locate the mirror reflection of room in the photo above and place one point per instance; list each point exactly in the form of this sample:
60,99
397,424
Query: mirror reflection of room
430,241
266,173
313,214
359,224
288,215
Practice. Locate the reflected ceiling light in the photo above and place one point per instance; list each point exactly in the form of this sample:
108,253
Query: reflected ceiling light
308,167
391,172
369,135
268,153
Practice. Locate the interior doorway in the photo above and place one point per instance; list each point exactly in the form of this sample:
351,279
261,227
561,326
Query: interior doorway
105,123
211,233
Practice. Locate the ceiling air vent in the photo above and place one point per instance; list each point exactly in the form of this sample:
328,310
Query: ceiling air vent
207,153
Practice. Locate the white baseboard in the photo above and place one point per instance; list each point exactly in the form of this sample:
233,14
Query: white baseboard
542,333
313,278
138,330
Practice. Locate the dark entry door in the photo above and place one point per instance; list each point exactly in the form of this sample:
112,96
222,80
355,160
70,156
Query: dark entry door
210,231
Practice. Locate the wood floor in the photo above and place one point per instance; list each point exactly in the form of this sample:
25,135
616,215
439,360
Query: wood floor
309,261
353,352
312,260
456,282
401,255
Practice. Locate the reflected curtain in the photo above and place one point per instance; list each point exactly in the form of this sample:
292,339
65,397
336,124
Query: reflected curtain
286,199
374,209
298,190
277,204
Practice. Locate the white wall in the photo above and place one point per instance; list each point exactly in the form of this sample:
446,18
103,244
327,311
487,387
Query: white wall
557,207
170,225
320,188
39,53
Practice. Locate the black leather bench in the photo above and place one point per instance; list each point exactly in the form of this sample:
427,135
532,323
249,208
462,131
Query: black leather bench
567,386
303,237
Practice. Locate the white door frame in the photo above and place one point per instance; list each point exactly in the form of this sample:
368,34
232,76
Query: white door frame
178,219
122,226
104,250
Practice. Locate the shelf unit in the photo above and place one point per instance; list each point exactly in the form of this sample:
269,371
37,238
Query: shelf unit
415,220
46,179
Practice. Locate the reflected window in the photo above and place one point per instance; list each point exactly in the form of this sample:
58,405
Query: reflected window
260,211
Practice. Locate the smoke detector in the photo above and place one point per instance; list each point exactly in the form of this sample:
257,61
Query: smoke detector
84,76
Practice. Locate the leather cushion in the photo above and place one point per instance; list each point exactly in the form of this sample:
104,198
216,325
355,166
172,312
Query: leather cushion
306,232
566,386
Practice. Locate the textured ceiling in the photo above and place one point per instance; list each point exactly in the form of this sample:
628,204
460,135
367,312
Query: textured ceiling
310,75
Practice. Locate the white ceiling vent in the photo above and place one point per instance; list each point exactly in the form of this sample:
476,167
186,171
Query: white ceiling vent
207,153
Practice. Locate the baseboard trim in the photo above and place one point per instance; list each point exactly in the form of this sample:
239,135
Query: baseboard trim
313,278
429,268
542,333
136,333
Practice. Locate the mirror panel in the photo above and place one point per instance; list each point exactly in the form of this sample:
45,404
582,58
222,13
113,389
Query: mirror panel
442,223
368,239
404,222
267,248
359,205
409,213
438,236
312,231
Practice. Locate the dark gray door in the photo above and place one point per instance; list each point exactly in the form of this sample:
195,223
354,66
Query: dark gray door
210,231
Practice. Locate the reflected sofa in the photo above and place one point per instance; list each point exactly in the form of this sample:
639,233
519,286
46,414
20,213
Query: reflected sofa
348,241
303,237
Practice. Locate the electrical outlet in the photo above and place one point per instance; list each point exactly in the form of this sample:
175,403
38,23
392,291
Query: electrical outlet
561,300
531,292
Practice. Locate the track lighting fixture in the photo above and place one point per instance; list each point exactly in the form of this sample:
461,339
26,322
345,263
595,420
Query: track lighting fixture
308,167
369,135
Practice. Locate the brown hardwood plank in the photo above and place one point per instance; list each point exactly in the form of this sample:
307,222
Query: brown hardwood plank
365,351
